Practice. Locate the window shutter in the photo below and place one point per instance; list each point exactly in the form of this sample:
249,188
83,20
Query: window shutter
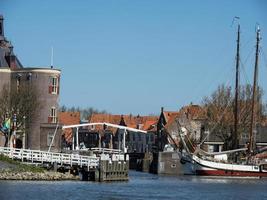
58,84
49,119
50,89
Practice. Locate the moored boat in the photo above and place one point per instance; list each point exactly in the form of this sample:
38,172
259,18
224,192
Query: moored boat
199,162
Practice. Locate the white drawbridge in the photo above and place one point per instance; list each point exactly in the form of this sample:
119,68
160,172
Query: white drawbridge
73,159
77,126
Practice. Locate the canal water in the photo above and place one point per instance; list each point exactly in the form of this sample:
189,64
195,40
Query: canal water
140,186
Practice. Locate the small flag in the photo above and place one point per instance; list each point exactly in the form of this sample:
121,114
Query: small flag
7,124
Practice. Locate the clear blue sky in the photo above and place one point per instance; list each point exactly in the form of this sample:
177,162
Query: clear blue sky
134,56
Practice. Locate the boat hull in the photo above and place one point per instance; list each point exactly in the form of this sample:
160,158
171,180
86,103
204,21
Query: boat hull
201,167
216,172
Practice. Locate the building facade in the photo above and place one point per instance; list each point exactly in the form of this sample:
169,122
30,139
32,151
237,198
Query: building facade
108,137
46,84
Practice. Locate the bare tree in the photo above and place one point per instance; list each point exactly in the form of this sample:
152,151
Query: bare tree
220,115
22,101
86,113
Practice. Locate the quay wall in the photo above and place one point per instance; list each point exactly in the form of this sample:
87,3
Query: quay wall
169,163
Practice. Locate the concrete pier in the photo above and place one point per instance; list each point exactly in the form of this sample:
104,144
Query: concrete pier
111,168
169,163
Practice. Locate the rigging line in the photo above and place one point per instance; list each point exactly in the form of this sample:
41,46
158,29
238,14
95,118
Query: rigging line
217,123
197,90
249,55
264,56
215,80
227,84
244,72
244,63
250,40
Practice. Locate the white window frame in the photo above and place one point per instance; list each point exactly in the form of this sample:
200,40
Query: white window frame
54,85
53,114
50,139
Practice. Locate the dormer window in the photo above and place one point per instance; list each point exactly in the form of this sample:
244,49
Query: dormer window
53,85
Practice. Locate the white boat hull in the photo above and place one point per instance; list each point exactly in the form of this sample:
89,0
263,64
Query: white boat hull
203,167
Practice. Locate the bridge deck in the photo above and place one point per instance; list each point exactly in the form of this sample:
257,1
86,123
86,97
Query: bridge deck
35,156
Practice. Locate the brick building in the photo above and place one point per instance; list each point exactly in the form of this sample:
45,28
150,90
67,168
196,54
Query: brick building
108,137
46,81
193,117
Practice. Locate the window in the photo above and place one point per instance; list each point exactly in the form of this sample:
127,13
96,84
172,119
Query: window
18,79
140,136
53,85
53,115
50,139
29,77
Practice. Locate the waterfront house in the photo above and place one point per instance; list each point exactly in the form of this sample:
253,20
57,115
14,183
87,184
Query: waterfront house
191,117
135,141
162,137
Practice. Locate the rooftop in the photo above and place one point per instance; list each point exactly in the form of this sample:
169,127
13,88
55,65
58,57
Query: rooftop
68,118
139,122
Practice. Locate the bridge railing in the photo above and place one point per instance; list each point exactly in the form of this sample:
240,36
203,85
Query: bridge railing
36,156
106,150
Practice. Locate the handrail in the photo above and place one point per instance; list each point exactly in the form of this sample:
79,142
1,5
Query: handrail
106,150
43,156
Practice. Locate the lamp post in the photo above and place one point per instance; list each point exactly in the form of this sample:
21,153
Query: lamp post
24,133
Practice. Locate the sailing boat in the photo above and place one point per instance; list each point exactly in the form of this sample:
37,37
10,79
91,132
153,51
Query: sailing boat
217,164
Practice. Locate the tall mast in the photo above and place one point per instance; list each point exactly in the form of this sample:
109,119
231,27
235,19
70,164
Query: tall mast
254,96
235,136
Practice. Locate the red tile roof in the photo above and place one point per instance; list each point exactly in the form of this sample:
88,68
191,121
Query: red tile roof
150,125
138,122
169,114
171,119
68,118
194,112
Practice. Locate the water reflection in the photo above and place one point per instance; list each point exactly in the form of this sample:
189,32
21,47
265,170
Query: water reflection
140,186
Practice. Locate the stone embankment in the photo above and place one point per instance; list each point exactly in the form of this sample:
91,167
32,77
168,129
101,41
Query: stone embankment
13,170
42,176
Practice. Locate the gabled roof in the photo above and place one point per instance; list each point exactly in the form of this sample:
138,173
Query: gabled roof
194,112
190,112
150,125
169,114
172,119
7,58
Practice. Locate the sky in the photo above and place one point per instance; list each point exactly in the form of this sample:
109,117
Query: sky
126,56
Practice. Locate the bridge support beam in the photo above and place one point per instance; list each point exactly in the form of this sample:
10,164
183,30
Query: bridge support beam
77,138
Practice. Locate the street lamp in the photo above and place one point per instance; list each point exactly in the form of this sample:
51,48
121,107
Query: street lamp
24,133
